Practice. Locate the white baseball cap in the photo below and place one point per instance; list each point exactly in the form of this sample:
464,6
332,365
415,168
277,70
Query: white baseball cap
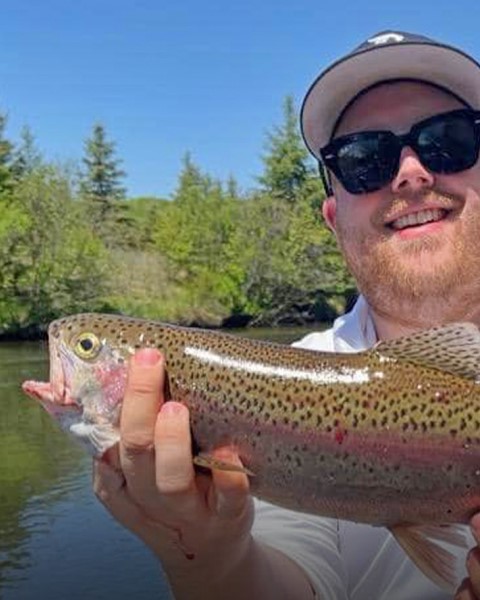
388,55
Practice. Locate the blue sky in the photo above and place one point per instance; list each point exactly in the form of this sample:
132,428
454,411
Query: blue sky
167,77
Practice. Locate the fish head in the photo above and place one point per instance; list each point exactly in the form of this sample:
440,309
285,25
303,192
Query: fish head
88,372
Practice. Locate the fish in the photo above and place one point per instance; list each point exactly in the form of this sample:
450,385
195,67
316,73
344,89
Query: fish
389,436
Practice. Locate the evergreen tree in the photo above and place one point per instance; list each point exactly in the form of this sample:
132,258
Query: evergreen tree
101,183
294,265
192,183
195,234
26,157
286,163
6,150
232,188
50,260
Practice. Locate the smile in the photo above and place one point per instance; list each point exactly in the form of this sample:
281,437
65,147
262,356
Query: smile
421,217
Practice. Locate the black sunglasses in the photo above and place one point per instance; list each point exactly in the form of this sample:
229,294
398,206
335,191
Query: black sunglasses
364,162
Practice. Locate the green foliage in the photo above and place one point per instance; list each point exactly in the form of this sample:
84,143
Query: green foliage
143,215
6,149
101,185
195,233
26,157
202,256
50,261
294,267
286,167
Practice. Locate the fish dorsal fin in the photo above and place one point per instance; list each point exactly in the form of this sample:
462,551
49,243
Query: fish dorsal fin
435,561
454,348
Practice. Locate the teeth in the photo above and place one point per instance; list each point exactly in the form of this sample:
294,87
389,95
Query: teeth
418,218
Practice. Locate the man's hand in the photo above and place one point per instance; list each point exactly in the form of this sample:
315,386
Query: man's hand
470,588
190,521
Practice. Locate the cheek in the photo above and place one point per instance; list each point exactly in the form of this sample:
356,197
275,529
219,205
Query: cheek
464,185
112,380
355,217
473,198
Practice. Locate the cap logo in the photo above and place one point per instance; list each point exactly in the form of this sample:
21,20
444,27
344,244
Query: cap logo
386,38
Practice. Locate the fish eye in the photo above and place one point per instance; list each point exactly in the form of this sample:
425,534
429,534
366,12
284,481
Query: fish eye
87,345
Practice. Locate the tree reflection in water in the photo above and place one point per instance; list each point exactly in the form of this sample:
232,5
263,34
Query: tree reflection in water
34,458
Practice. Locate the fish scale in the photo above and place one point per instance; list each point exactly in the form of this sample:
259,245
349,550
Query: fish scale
358,432
388,436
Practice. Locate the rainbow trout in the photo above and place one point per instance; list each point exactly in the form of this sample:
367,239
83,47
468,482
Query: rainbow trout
389,436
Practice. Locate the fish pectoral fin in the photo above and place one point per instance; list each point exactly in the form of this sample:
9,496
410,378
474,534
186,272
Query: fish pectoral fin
454,348
436,562
210,462
445,532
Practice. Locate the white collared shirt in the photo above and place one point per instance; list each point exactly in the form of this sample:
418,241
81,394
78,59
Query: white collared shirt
346,560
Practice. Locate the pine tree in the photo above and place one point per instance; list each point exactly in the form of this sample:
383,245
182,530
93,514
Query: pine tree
285,165
100,183
6,150
26,157
192,183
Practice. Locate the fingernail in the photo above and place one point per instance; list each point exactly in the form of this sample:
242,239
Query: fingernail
147,357
171,408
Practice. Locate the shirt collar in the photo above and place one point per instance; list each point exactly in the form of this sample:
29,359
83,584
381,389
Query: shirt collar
355,330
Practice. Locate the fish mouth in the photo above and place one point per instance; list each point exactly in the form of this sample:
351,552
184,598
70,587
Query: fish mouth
54,395
56,391
58,399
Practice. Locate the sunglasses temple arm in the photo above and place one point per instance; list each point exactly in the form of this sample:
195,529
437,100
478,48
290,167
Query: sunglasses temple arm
324,176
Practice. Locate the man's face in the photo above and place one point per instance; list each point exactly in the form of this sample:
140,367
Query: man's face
396,260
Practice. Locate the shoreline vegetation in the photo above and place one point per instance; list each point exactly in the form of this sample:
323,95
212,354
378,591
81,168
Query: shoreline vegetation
211,255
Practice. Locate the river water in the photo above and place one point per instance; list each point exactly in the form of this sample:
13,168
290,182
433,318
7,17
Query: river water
56,539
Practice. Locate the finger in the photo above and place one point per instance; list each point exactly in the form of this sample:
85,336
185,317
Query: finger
112,458
175,474
109,487
143,398
231,488
473,567
475,527
465,592
142,401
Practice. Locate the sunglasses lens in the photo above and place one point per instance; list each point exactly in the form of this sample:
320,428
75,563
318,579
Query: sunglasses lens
367,161
449,144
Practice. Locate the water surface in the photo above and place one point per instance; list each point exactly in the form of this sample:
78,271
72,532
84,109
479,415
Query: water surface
56,539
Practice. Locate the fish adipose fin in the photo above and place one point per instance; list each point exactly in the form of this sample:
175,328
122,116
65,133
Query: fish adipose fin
454,348
436,562
210,462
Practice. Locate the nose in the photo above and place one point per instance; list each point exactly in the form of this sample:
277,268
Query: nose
412,176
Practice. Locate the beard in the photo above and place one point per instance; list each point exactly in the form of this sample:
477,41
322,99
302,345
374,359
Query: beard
429,279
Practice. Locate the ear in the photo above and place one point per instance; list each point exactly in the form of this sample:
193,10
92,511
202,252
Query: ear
329,211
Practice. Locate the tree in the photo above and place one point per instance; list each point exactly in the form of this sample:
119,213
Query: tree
50,261
286,166
101,184
26,156
194,232
294,266
6,149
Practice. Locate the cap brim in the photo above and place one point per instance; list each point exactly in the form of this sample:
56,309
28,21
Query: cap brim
339,84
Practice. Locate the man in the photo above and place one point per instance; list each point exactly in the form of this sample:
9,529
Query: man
393,124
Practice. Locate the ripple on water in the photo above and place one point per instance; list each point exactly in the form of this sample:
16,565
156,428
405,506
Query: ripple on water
76,550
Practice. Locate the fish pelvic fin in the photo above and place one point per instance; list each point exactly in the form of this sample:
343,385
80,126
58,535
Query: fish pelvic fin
454,348
435,561
210,462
